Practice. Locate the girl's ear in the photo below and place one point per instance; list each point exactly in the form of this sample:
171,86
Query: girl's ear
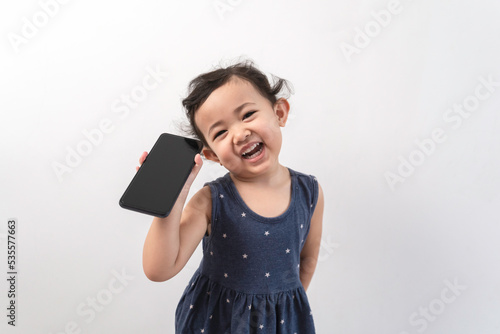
281,109
209,154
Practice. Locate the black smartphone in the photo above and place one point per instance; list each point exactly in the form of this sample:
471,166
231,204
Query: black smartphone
159,181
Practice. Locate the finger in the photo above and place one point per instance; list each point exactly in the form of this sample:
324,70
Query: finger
143,157
198,162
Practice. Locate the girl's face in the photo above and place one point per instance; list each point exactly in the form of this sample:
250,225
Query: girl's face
242,128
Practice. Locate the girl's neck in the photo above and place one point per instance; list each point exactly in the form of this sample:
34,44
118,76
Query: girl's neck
272,178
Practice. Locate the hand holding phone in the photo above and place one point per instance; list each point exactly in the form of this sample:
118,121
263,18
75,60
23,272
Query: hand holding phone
141,160
164,172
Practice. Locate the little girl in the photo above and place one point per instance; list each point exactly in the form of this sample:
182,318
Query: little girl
260,223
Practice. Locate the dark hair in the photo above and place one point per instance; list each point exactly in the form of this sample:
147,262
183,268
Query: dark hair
204,84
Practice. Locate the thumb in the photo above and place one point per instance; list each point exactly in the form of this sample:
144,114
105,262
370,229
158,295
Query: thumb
196,169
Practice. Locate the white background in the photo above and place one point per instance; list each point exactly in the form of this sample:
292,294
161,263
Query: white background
388,253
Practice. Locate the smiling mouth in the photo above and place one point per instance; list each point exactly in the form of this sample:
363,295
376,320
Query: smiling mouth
253,151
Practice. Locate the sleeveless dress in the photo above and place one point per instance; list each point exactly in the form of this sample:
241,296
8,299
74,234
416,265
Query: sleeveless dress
248,279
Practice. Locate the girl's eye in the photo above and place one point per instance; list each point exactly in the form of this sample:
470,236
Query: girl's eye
219,133
248,114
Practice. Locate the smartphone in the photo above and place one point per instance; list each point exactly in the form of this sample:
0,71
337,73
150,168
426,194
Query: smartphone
159,181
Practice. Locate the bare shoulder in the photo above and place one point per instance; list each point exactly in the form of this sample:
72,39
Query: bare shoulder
317,217
321,199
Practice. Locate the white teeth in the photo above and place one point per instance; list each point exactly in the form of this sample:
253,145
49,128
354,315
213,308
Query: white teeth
250,148
254,155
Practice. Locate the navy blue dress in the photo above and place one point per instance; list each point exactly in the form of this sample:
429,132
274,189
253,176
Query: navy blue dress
248,279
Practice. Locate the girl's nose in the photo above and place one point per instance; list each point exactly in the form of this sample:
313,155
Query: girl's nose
241,135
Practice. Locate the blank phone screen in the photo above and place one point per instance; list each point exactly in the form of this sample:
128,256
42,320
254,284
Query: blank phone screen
158,182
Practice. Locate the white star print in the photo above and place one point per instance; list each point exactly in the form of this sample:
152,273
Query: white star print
249,307
224,235
287,251
227,300
190,306
243,214
261,326
210,316
267,274
202,330
221,196
225,275
301,225
282,321
267,233
212,253
245,256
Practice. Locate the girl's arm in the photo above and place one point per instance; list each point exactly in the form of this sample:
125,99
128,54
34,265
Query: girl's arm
310,251
172,240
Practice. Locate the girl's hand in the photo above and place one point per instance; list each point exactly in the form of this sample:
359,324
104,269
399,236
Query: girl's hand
141,160
196,168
